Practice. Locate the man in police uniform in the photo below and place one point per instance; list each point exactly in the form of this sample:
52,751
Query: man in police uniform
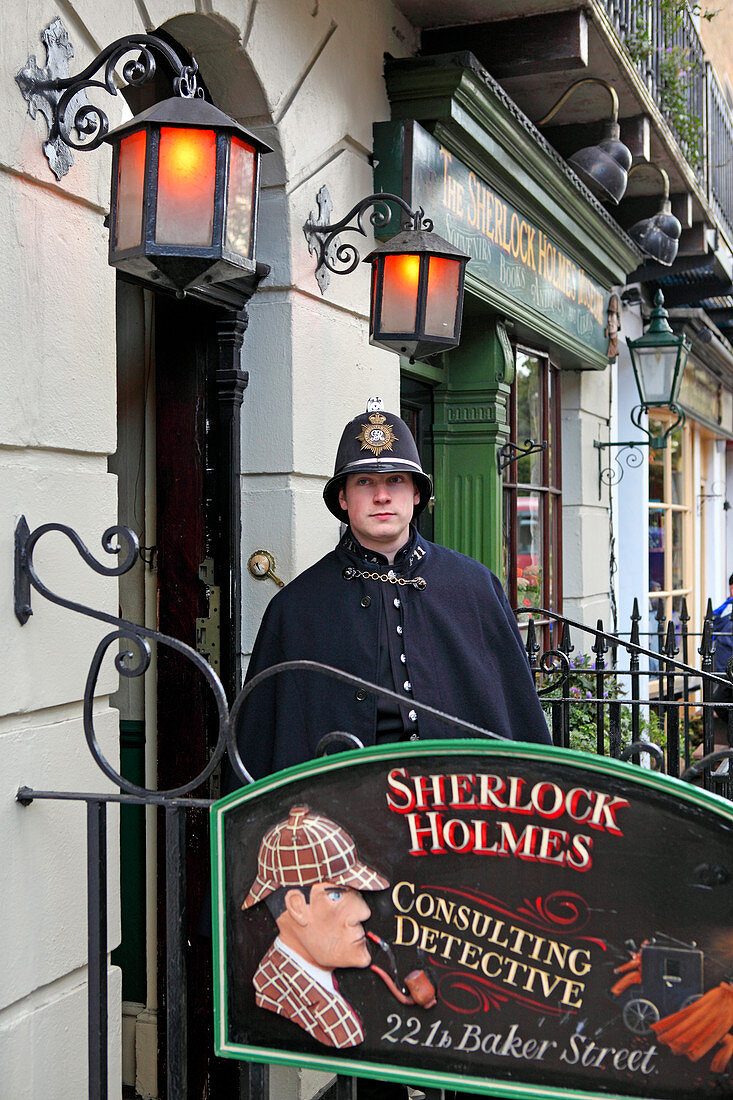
386,605
310,877
391,607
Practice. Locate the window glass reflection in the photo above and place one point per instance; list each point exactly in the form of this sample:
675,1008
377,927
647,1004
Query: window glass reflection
529,417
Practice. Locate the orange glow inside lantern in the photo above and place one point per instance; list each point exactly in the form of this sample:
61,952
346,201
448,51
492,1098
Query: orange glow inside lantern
399,292
186,179
130,190
440,310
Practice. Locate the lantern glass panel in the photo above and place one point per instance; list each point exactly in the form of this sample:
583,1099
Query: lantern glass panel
130,189
655,370
186,180
440,312
241,198
399,293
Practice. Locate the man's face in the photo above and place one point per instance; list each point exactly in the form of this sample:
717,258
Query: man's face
380,508
328,929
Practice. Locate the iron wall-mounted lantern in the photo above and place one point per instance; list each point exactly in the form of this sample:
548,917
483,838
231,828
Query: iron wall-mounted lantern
604,167
658,358
659,236
185,183
185,176
416,302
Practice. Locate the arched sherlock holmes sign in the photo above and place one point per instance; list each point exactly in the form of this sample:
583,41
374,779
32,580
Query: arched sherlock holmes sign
510,920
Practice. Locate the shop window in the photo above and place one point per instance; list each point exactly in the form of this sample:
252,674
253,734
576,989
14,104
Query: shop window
532,537
670,517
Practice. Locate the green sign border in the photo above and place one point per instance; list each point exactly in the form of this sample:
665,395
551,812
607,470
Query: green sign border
638,776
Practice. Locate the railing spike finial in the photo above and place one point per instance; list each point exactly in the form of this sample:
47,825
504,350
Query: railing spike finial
707,645
671,649
566,646
635,620
532,646
709,610
684,613
600,645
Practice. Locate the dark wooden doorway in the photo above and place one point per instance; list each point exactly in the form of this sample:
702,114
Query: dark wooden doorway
193,567
178,388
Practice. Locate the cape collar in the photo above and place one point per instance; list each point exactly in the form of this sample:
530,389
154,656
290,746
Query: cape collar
407,558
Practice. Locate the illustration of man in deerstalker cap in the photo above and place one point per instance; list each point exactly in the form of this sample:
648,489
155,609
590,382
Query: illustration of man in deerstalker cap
310,877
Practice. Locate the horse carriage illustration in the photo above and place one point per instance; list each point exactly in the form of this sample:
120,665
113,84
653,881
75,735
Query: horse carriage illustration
661,977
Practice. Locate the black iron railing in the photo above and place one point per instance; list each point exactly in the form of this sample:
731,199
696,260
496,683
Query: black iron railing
610,694
659,685
666,48
719,152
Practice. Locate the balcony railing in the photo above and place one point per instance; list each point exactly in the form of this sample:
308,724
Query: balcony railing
670,58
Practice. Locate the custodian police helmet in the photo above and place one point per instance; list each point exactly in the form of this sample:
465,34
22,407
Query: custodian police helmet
376,441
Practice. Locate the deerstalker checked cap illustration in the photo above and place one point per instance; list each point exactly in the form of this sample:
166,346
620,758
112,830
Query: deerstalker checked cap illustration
307,848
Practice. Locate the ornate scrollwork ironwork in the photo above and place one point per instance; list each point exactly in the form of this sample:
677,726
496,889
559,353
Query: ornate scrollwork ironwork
62,99
638,748
610,476
512,452
629,455
135,661
126,663
342,259
338,737
551,661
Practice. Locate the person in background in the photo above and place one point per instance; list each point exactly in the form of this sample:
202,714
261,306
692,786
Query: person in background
723,639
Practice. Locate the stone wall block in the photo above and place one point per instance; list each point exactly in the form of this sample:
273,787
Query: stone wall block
276,232
47,660
580,458
588,610
267,414
332,50
316,531
335,371
585,553
43,1052
56,323
267,504
43,868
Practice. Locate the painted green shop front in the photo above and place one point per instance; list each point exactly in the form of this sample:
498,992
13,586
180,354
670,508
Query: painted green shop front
544,257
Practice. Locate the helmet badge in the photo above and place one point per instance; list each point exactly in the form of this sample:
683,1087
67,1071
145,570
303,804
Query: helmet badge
377,436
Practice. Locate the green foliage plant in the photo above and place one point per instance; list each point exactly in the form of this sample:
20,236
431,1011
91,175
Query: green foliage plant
583,708
676,68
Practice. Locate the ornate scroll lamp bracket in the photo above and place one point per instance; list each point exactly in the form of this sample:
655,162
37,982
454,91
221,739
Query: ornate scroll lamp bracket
42,90
610,475
335,258
22,585
325,210
512,452
62,100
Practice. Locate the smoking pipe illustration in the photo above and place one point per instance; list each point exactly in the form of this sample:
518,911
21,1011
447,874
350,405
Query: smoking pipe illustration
420,990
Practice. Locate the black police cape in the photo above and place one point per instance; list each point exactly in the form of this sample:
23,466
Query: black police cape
463,648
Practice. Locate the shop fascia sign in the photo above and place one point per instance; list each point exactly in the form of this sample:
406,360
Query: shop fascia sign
512,920
510,254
